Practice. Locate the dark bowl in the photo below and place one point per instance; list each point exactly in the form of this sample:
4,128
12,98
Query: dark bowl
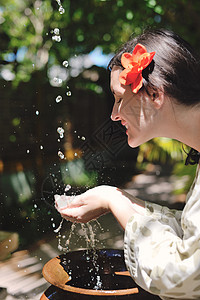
90,274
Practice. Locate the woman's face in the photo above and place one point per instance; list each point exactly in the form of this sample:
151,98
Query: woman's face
136,112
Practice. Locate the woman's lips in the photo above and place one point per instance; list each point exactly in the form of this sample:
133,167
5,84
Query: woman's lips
126,125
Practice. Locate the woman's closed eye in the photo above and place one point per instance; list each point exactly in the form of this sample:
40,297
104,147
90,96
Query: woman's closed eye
119,101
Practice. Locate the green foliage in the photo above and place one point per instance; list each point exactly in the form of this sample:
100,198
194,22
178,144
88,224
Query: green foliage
27,28
168,152
161,150
76,175
187,172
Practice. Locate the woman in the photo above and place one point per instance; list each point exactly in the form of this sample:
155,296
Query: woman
155,80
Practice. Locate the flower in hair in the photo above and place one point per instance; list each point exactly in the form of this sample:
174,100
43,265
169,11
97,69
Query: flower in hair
134,64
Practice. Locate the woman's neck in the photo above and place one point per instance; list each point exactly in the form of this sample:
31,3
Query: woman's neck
182,123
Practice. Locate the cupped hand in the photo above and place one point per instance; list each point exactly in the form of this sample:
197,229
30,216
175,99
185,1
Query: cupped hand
87,206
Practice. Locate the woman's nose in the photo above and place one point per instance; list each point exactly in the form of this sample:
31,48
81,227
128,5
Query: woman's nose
115,114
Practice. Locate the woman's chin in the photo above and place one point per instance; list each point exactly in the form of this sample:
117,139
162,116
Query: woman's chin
133,143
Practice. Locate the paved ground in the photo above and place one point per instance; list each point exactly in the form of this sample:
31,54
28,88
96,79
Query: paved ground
23,279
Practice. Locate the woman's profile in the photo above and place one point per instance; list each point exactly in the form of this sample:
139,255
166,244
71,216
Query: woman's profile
155,80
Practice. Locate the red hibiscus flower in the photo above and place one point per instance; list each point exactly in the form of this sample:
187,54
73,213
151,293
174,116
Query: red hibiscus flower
134,64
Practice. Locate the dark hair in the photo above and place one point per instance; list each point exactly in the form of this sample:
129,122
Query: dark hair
193,157
175,67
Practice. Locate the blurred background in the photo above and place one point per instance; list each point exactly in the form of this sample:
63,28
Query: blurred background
55,104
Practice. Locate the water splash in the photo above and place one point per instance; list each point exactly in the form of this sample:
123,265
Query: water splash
88,231
89,235
59,227
66,247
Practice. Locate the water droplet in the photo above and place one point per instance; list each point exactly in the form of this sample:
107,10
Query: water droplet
41,147
56,38
75,154
61,155
56,31
61,10
53,225
35,205
61,131
60,248
67,188
37,112
59,227
83,138
65,63
69,93
27,151
58,99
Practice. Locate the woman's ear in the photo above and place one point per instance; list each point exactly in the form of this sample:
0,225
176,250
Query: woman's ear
157,97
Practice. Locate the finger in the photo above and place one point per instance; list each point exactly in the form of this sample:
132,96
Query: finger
74,219
68,219
72,212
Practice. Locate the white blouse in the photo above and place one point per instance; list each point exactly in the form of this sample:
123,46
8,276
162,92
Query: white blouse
162,248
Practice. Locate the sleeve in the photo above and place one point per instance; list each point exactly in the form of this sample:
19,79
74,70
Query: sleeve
162,251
